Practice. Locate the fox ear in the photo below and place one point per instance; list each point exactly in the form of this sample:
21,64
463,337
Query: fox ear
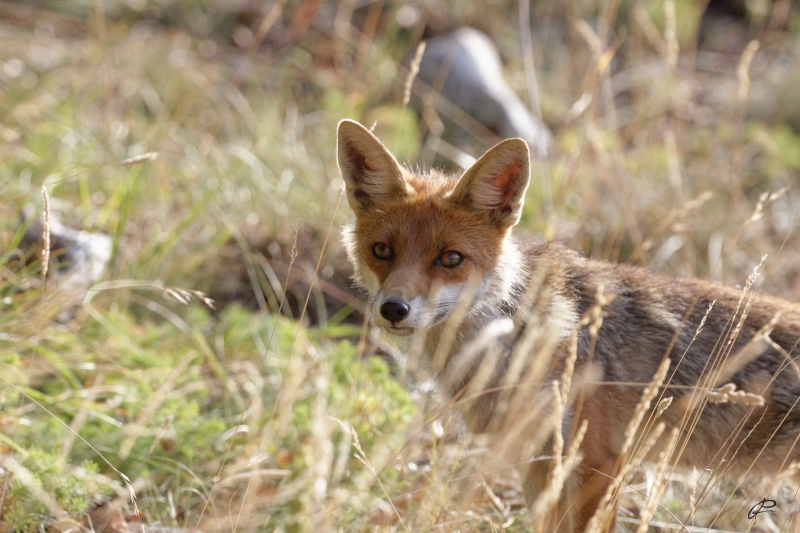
496,183
371,173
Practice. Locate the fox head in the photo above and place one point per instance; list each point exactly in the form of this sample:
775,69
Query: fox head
420,240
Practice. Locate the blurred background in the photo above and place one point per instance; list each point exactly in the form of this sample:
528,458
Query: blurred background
187,153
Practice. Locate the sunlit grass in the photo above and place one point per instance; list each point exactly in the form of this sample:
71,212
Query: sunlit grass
243,419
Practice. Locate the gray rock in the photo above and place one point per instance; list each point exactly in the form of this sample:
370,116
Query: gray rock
78,258
461,76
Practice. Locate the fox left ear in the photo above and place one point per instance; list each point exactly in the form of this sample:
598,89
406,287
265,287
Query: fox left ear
497,182
371,174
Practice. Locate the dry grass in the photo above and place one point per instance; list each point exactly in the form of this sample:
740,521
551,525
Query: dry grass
665,155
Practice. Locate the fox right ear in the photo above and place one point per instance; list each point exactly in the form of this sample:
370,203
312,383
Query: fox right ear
495,185
370,172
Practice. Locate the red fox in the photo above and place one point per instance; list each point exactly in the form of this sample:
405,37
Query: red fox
502,319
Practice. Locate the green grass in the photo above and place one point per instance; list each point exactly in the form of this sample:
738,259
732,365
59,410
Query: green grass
156,389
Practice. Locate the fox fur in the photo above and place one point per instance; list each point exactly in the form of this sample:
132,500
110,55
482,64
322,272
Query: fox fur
423,243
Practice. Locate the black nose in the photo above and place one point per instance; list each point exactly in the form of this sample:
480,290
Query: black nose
394,310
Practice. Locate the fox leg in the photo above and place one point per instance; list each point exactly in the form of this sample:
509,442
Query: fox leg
580,497
585,487
589,488
536,481
599,466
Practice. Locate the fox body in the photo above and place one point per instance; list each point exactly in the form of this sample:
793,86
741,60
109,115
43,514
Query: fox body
437,256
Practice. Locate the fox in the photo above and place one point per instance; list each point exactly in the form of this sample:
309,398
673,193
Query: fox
504,324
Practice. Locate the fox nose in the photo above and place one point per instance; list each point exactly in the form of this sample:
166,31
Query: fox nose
394,310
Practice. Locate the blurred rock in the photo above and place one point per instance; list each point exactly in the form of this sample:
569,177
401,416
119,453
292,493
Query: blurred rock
461,78
725,27
77,258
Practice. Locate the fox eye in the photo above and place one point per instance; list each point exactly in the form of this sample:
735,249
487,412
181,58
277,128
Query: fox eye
381,250
451,259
